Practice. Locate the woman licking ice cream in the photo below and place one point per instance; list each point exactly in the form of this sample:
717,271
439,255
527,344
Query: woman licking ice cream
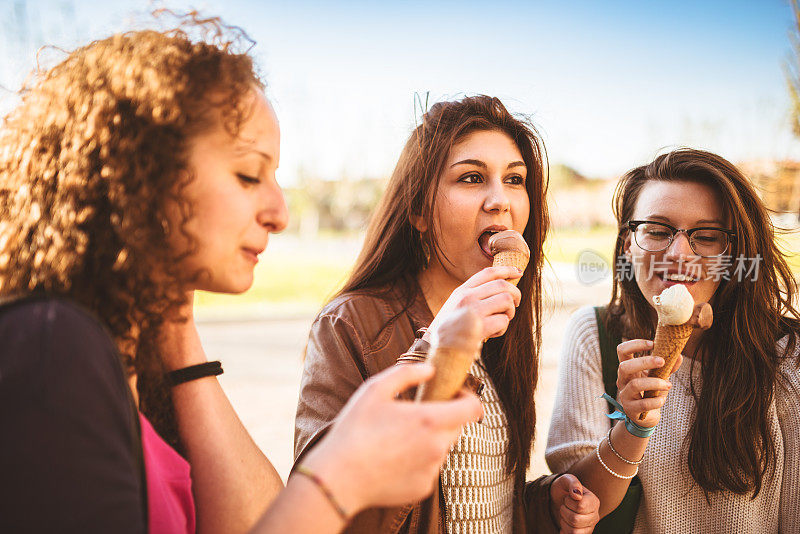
678,316
470,180
721,451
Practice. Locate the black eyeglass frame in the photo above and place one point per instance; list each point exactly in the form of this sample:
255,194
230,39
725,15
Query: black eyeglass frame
632,225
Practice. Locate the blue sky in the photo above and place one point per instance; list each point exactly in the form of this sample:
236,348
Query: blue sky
608,83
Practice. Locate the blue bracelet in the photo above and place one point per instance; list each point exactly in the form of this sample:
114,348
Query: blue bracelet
630,426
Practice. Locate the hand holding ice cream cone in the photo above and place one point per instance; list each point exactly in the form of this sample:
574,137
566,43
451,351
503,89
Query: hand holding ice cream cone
678,316
455,345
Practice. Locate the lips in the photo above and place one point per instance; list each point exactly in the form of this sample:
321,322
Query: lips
483,238
679,277
252,253
672,278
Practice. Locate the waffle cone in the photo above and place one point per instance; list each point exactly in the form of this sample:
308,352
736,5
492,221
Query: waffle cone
511,258
668,343
451,366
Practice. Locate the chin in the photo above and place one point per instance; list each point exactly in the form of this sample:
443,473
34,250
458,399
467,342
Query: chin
230,286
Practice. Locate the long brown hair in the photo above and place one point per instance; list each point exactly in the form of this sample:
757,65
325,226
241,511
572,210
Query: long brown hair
395,249
729,445
88,162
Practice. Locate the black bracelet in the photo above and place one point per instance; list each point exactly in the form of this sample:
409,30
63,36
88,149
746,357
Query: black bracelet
194,372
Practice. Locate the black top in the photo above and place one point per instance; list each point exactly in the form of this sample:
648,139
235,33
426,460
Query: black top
70,452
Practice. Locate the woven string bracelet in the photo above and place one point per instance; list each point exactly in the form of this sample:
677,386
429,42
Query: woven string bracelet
313,477
630,425
623,477
610,446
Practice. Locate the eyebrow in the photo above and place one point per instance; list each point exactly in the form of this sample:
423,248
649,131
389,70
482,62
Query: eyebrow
482,165
245,151
667,219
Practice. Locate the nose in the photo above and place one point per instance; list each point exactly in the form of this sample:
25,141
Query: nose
273,215
496,198
680,246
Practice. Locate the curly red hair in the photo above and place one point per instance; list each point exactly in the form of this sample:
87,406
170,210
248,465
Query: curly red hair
89,160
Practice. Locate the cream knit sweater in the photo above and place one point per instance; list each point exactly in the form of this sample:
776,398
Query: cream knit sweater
671,501
478,492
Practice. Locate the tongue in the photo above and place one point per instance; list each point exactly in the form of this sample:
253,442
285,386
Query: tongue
483,242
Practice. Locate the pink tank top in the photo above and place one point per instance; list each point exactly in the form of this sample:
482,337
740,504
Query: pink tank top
169,487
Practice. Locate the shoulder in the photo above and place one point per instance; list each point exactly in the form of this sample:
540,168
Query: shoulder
581,342
365,314
54,336
582,326
783,349
789,366
352,306
43,314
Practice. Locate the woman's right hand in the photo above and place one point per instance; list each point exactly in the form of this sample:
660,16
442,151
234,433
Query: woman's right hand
633,381
382,451
490,295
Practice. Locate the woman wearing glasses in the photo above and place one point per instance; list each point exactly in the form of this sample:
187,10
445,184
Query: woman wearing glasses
726,451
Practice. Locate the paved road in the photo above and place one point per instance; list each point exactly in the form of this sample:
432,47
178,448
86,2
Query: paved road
262,358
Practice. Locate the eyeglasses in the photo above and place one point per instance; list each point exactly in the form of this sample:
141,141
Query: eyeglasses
706,241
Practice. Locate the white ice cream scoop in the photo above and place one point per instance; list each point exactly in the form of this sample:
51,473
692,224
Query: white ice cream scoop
674,305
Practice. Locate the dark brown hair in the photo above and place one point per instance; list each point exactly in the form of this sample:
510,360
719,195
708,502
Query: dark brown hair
88,162
729,445
395,249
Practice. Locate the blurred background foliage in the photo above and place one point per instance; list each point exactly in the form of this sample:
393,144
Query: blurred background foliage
330,208
308,262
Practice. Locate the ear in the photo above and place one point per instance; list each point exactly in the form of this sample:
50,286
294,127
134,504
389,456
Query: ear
626,246
419,223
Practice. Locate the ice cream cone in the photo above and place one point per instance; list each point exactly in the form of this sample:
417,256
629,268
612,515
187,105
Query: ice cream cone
678,316
668,344
509,249
452,366
672,338
455,344
511,258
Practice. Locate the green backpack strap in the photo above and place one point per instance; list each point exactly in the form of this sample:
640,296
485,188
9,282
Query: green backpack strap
622,519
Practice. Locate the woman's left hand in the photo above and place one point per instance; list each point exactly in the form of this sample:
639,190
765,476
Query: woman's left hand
576,509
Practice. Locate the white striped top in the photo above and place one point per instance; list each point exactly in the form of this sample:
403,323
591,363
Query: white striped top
478,492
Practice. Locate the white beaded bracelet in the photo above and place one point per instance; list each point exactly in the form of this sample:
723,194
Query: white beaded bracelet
610,446
623,477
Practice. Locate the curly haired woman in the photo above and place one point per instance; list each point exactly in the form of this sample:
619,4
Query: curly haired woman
138,170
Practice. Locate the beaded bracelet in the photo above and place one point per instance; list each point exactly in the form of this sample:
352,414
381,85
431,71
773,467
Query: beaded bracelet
614,473
610,446
305,471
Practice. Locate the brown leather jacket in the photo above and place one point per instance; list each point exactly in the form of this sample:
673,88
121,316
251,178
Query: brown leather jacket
354,337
